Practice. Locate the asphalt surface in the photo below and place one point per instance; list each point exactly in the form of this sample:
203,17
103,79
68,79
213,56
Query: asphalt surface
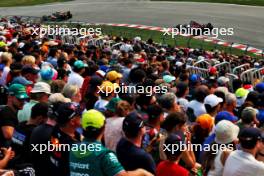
247,21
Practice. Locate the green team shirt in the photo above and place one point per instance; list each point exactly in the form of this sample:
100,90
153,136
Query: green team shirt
91,158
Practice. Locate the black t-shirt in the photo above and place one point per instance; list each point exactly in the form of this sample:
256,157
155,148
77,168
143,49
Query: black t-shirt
41,135
7,118
59,159
132,157
20,143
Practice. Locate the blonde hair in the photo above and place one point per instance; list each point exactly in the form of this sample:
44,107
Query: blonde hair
28,60
6,58
122,108
70,90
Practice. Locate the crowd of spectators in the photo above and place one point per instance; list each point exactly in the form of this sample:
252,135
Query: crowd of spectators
56,94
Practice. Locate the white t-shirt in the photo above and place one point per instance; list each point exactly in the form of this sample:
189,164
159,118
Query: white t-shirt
100,105
4,76
198,108
126,47
75,79
113,132
241,163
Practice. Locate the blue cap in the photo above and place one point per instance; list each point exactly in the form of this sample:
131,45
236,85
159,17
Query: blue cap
225,115
260,87
21,80
194,78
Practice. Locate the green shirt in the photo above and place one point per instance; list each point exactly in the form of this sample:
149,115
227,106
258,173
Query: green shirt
91,158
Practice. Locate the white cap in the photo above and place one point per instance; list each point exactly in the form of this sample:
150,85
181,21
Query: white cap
58,97
226,132
41,87
212,100
178,63
100,72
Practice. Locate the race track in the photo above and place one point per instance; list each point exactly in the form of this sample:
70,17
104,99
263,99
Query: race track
247,21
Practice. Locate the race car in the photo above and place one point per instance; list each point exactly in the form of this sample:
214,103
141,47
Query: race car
57,16
196,28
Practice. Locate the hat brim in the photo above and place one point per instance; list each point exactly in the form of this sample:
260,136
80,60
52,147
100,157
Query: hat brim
22,96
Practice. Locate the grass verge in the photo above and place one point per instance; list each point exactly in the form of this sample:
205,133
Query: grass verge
158,37
11,3
240,2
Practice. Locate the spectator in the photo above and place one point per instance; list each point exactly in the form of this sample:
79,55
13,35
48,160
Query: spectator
39,93
129,151
16,98
243,162
101,161
75,77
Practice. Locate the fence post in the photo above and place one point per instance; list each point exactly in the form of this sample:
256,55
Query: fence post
246,48
230,48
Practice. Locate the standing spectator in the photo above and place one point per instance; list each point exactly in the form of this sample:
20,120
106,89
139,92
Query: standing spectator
129,151
39,93
75,77
6,59
243,162
16,98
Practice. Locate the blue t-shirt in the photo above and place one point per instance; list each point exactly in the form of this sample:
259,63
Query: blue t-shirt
132,157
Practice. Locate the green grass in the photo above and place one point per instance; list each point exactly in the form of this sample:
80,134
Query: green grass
158,37
10,3
241,2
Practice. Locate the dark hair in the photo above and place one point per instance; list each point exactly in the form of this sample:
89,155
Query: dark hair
253,97
221,95
154,111
210,109
39,109
52,52
200,93
137,75
92,133
143,99
237,83
174,119
181,89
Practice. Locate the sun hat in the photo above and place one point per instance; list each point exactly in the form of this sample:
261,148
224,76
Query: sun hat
226,132
41,87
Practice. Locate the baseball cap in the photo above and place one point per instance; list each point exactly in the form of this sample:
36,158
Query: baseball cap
108,87
226,132
93,118
212,100
225,115
111,106
260,87
46,72
249,113
132,123
66,112
205,121
41,87
168,78
29,69
213,70
113,75
18,90
194,78
222,80
21,80
79,64
241,93
250,134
